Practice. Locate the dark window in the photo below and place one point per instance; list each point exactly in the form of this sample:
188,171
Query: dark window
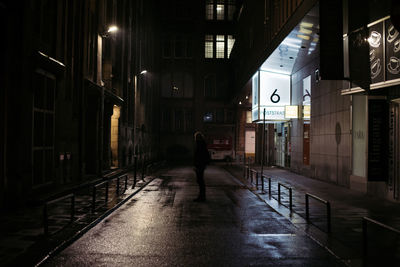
220,116
43,127
209,86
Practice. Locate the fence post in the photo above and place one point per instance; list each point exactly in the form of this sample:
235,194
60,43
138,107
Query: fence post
106,201
262,183
279,193
134,172
72,207
290,198
126,182
45,220
307,213
257,180
328,215
143,169
94,199
117,186
269,187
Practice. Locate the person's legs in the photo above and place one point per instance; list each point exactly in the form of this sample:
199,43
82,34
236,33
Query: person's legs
202,185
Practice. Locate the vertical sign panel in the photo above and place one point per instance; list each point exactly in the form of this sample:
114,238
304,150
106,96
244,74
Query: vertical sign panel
255,97
376,44
392,52
377,140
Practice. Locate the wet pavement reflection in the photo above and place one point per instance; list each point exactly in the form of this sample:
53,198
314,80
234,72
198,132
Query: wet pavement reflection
162,226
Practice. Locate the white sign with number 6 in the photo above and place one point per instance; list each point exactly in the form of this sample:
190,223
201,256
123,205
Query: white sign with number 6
274,89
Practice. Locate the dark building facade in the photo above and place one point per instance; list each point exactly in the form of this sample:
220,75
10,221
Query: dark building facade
195,76
69,93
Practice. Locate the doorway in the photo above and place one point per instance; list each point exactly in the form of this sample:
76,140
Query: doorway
114,135
250,144
282,144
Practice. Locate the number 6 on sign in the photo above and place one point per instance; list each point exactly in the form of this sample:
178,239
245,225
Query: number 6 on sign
275,98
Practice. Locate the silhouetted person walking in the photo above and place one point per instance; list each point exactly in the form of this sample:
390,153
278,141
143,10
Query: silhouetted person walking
201,159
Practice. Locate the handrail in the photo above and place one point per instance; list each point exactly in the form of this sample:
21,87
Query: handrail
50,202
328,209
94,194
269,184
365,221
251,176
290,195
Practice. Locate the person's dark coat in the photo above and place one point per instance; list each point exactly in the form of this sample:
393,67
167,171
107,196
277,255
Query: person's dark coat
201,154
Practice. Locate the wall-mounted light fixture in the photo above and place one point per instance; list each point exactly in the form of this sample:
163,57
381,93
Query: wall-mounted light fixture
111,29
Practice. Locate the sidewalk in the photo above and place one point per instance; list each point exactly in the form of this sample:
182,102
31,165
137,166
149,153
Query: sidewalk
22,238
347,209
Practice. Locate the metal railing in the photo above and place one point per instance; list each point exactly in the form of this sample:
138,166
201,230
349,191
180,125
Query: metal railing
290,195
106,183
91,188
269,184
365,221
118,183
253,173
328,209
50,202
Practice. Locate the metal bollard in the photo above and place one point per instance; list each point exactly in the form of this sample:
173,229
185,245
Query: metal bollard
134,173
262,184
126,183
117,186
257,180
269,187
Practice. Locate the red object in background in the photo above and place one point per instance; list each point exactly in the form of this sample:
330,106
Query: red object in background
219,142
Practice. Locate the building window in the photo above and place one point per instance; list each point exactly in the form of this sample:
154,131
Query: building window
166,47
231,42
222,44
209,10
231,9
209,47
176,120
209,86
220,115
177,46
177,85
220,10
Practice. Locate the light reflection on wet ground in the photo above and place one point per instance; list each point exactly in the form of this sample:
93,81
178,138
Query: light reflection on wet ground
162,226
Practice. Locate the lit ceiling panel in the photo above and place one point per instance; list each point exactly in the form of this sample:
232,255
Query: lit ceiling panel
298,48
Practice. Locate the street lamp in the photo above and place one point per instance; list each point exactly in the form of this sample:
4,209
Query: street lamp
111,29
136,126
